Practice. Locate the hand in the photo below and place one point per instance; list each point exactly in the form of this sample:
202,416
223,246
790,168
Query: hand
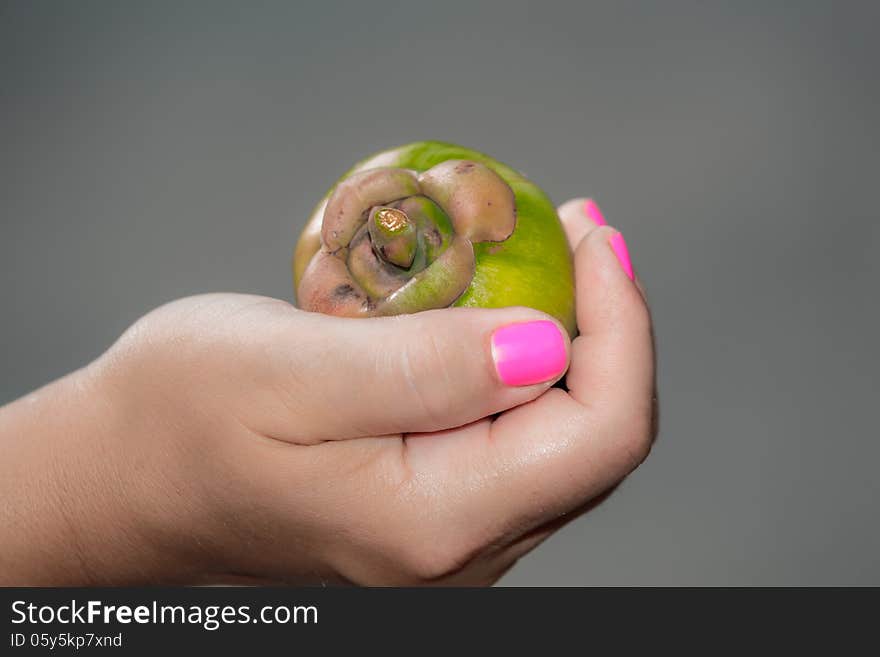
233,438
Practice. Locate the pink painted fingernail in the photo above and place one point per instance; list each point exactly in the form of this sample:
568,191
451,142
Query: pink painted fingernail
528,353
594,213
622,253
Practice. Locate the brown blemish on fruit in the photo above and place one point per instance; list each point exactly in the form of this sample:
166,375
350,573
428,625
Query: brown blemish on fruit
344,291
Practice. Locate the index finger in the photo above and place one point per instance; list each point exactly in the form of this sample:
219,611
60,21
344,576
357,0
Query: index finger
551,455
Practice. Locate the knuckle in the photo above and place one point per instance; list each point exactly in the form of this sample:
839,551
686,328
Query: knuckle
427,375
431,561
637,436
431,555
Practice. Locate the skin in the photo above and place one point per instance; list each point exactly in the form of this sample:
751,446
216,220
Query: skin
530,267
234,438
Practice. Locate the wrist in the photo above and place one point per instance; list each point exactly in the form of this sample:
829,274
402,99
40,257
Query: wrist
152,478
77,506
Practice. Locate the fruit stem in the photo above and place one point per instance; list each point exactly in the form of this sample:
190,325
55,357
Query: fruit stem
393,235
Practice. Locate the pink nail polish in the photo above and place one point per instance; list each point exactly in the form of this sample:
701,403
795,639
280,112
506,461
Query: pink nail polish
528,353
622,253
594,213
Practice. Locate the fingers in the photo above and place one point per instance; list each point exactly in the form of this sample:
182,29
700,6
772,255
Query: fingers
579,216
345,378
613,371
549,456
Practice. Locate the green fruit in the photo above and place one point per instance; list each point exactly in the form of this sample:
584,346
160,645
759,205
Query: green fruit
430,225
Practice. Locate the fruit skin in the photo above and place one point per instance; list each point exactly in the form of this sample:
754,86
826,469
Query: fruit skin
533,267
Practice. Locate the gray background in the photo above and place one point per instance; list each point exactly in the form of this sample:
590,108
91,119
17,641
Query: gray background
150,151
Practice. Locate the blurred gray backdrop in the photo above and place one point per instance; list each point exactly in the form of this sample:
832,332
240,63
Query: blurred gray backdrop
154,150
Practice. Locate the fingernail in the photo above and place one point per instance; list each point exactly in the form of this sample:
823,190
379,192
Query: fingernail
594,213
528,353
622,253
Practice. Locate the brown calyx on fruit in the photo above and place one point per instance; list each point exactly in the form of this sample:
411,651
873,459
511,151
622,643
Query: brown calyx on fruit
376,259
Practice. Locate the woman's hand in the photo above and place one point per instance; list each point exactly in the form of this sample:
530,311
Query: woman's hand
231,438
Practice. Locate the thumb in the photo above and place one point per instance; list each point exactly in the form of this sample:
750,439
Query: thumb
433,370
